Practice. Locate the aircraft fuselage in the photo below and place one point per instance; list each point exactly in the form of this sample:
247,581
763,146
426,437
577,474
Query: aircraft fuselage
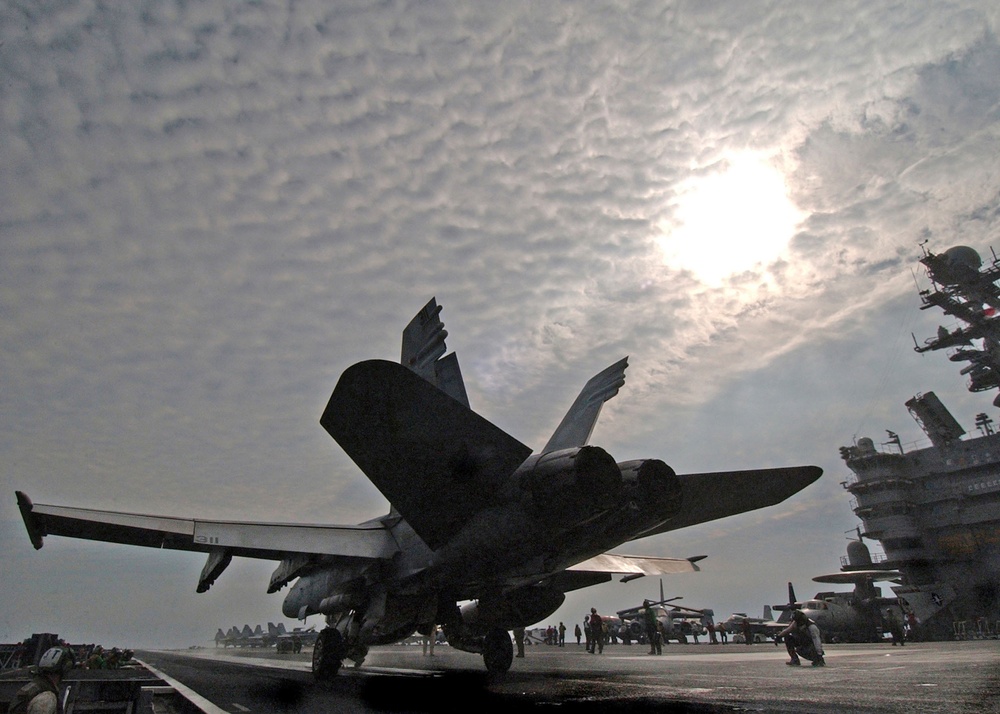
842,620
555,510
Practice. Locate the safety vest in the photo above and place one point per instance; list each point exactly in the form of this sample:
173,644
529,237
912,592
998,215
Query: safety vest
31,690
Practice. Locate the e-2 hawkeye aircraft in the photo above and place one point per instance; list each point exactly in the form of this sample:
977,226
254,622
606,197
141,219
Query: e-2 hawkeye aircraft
482,535
845,617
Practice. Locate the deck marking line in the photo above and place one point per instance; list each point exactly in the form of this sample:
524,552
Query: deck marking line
186,692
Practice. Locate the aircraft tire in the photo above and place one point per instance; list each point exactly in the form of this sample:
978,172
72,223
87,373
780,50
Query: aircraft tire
328,653
498,651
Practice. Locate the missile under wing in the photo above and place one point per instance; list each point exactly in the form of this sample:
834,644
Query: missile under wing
483,535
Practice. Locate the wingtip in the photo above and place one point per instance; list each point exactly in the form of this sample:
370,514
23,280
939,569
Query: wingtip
31,523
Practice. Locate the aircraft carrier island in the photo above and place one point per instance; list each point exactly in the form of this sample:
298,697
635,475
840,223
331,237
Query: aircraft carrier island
936,510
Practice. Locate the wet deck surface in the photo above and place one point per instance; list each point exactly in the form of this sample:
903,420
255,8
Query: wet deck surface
921,677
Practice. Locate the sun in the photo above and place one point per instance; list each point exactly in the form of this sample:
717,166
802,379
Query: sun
725,223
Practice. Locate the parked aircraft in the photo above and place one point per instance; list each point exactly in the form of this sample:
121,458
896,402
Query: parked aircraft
761,628
845,617
676,621
256,636
236,637
278,633
246,637
230,639
482,536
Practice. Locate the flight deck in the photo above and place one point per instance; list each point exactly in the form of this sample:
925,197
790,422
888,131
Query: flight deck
865,678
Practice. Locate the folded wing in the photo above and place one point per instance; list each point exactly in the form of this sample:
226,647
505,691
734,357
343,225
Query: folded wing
578,424
424,352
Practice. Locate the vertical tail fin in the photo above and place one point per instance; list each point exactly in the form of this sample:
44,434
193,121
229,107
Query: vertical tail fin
424,352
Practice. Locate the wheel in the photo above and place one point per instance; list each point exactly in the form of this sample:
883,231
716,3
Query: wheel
498,651
328,652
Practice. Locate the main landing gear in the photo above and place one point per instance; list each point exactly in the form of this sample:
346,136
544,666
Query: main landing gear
331,649
328,653
498,651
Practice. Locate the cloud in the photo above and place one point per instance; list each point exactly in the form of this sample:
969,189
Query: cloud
211,210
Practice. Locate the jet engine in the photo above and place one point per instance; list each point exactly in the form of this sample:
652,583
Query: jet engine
652,487
569,485
651,494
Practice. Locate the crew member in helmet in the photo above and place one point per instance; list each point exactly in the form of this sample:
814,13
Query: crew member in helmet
41,694
802,637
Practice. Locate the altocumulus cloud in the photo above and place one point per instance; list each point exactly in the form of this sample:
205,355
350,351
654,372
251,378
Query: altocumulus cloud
210,210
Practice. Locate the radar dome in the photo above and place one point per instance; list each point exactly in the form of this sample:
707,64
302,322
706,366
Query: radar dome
857,553
964,255
866,446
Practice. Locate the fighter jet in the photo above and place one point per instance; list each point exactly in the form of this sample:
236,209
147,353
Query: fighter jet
252,638
222,637
234,637
761,628
278,633
482,535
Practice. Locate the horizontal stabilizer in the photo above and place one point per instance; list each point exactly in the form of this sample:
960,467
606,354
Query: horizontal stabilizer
635,564
438,462
727,493
578,424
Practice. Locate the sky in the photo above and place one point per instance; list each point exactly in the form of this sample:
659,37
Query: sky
208,211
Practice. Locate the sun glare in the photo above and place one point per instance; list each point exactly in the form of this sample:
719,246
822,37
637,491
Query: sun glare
725,223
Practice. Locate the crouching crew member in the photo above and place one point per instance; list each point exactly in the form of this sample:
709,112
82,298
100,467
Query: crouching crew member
802,638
